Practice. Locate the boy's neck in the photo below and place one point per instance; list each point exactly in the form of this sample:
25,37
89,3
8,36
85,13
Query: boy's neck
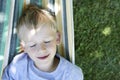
50,66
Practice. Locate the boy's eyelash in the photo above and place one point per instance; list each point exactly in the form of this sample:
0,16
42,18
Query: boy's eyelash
47,41
33,45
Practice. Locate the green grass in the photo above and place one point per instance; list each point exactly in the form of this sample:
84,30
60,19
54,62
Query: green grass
97,38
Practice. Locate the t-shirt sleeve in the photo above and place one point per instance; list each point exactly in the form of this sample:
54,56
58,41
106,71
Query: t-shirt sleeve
8,74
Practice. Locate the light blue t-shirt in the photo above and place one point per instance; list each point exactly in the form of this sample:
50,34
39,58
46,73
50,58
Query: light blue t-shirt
22,68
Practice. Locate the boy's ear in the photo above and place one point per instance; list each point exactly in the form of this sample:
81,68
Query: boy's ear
22,43
22,46
58,37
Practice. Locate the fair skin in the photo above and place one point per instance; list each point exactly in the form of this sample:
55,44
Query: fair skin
41,48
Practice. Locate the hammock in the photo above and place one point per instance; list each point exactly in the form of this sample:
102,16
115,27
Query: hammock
10,11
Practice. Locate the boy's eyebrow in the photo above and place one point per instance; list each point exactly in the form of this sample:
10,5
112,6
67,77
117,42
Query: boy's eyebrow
45,39
30,42
48,38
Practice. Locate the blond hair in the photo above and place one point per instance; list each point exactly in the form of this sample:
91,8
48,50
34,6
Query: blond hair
33,17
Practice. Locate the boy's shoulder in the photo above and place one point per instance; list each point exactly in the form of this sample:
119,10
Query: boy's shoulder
19,60
74,71
77,73
16,66
70,65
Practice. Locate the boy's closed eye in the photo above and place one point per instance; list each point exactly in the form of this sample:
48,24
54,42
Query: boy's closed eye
33,45
47,41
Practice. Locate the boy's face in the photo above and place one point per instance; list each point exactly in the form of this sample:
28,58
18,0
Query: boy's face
41,46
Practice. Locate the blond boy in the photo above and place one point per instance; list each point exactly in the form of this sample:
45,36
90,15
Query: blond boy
39,61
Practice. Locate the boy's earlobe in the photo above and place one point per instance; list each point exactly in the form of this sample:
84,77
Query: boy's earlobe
58,38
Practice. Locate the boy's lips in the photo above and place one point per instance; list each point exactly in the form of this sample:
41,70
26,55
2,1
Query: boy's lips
43,57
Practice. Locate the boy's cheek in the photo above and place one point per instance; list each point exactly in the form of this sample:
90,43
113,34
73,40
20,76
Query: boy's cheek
27,50
51,48
51,45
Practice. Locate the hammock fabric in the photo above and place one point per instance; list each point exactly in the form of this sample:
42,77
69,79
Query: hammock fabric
10,11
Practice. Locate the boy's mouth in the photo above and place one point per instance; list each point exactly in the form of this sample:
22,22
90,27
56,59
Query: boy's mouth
43,57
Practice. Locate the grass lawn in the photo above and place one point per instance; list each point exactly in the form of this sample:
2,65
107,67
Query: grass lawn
97,38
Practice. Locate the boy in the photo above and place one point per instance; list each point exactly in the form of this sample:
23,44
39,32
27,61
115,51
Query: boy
39,61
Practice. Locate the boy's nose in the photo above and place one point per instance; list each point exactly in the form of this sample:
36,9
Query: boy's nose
42,47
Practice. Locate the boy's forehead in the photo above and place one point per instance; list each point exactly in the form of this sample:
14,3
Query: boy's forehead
40,34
